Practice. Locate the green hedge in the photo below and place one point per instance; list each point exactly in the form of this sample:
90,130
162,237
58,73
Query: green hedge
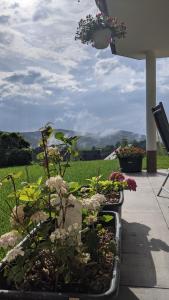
15,157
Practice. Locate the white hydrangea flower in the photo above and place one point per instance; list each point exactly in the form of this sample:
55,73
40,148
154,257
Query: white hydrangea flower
55,200
58,184
39,216
91,204
99,198
53,151
58,234
91,219
72,199
55,235
85,258
12,254
17,215
9,239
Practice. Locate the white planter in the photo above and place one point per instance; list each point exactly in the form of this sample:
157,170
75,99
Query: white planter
101,38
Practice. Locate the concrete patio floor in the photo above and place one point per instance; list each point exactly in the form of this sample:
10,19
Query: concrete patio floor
145,240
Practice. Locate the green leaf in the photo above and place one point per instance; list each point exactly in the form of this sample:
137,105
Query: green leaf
40,156
72,140
106,218
74,186
74,153
60,136
29,193
39,181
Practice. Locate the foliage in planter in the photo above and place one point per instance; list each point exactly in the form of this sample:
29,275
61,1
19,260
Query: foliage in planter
87,27
58,228
130,151
109,188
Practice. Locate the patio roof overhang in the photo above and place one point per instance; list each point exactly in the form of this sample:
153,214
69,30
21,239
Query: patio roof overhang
147,37
147,24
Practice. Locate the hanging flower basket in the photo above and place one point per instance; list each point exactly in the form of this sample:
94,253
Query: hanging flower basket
101,38
99,31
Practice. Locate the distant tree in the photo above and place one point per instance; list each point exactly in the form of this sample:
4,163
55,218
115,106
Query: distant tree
92,154
14,150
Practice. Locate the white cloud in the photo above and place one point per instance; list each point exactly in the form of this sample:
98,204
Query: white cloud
110,73
46,73
36,84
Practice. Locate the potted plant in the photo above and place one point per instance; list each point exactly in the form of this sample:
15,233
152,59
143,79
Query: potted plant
130,158
99,31
60,246
111,190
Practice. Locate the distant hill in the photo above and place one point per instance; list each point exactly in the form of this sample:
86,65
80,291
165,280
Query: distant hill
87,141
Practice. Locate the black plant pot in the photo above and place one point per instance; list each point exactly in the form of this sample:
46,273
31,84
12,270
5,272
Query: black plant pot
131,164
110,294
116,207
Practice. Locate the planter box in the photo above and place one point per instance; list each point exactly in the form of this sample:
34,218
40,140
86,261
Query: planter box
130,164
116,207
109,295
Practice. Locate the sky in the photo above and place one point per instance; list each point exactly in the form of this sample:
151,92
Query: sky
47,76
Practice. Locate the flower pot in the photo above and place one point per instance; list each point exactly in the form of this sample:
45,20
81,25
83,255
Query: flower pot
111,293
130,164
116,206
101,38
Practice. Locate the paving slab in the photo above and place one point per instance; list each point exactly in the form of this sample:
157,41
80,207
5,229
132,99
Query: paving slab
145,241
127,293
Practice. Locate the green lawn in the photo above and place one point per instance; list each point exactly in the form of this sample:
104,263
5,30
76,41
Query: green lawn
79,171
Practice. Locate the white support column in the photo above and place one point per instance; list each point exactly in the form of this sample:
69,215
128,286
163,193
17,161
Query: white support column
150,102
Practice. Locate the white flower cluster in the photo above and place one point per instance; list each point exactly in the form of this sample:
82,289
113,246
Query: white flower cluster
9,239
12,254
57,184
91,219
94,202
85,257
39,216
17,215
53,151
56,200
72,199
61,233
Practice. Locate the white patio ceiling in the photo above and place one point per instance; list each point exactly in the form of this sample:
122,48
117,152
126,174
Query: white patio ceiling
147,24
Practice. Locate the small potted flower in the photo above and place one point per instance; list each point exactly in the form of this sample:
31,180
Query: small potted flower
99,31
130,158
111,190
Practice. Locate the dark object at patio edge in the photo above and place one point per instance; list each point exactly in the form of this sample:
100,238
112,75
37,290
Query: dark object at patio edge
130,164
108,295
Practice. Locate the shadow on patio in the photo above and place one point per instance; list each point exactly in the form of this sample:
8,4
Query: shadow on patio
145,241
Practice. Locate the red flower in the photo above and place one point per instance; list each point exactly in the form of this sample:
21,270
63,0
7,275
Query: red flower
116,176
131,184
